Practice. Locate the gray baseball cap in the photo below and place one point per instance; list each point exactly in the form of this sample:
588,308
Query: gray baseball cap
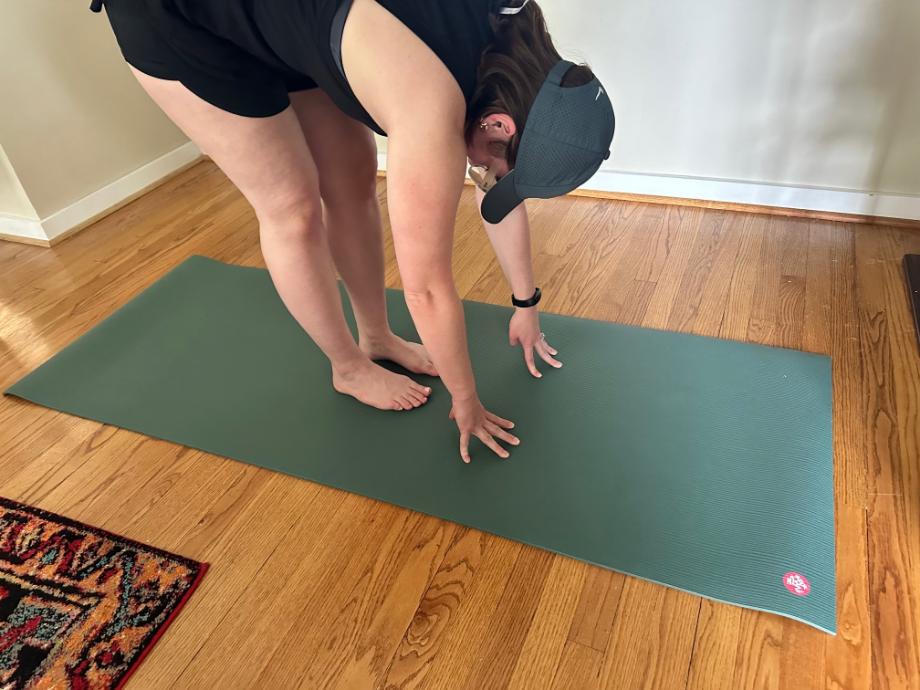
565,139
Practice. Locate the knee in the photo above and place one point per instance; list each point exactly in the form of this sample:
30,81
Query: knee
299,219
352,179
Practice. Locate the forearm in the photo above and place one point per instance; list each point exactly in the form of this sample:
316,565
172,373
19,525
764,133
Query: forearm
438,316
422,203
511,241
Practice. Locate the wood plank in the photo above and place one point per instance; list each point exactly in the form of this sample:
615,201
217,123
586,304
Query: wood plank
715,648
713,239
580,668
831,326
461,640
598,604
652,641
499,650
447,591
892,386
375,612
260,525
848,655
546,637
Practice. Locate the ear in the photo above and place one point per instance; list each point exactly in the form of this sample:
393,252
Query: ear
505,128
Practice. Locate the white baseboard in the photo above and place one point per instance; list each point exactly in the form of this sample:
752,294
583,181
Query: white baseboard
759,194
112,195
751,193
14,227
97,204
102,201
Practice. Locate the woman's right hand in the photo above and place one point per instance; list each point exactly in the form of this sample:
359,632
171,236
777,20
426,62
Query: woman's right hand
474,420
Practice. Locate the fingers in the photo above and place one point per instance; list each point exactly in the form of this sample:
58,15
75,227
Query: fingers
465,446
491,428
546,353
501,421
497,431
549,348
486,438
531,366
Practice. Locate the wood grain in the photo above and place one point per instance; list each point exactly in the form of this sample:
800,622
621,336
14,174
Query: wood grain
311,587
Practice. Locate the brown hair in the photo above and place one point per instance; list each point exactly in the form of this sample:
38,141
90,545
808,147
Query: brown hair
513,67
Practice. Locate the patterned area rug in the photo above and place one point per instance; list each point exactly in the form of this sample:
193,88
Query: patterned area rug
80,607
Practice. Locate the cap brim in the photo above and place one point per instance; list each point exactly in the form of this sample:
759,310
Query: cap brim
500,200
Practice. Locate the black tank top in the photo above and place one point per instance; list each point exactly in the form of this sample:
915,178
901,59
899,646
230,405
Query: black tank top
305,35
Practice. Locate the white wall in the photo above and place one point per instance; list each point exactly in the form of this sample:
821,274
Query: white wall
14,201
73,119
804,103
807,93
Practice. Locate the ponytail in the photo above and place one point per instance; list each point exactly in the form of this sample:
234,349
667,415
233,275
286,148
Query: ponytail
513,67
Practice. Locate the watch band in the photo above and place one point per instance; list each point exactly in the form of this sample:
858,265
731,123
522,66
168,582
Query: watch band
526,302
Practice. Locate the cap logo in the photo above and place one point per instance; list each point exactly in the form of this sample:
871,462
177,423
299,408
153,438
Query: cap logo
600,90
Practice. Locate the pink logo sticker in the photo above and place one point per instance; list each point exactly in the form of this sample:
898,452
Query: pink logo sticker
797,584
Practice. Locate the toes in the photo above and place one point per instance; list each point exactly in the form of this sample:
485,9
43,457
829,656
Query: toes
421,397
424,391
418,398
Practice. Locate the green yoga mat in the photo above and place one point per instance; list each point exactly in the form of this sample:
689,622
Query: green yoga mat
701,464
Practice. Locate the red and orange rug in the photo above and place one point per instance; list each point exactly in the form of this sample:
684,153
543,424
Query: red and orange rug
80,607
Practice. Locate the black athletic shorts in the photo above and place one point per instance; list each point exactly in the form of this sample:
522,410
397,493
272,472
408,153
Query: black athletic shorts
241,61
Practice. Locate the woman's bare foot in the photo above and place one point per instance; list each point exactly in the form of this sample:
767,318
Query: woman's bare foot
412,356
378,387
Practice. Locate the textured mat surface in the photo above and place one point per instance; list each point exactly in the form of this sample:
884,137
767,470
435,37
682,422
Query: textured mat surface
698,463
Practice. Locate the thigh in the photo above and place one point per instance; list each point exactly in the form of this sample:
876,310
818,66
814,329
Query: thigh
267,158
344,149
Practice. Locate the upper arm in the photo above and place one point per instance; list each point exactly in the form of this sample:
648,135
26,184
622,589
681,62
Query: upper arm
409,92
425,168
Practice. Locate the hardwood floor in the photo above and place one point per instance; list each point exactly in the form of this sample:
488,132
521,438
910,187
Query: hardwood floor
312,587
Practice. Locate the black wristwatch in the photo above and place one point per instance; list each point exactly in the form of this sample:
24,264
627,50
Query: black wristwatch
526,302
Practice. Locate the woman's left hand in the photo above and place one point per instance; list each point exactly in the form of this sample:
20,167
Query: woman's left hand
524,330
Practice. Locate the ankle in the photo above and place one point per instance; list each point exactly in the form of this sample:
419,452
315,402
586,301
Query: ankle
367,339
351,367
